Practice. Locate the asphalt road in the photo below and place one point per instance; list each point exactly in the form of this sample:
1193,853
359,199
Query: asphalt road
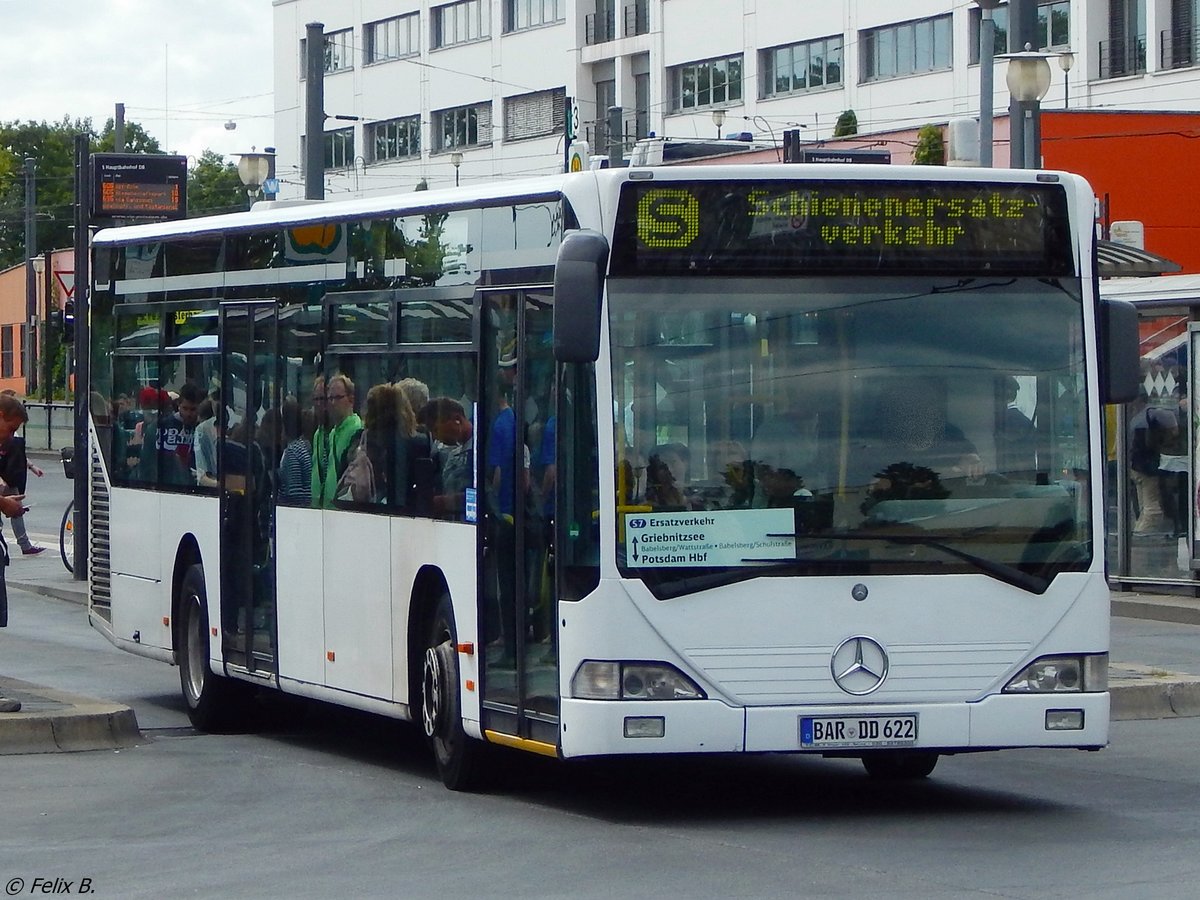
319,802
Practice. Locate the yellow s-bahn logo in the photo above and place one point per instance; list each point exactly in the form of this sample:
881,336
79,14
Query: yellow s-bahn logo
668,218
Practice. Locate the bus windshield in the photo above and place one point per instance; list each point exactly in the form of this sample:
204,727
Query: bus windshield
857,425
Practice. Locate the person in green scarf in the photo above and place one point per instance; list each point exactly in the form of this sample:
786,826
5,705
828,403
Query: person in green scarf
339,431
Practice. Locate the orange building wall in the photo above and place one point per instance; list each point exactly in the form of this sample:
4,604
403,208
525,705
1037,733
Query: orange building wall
1147,162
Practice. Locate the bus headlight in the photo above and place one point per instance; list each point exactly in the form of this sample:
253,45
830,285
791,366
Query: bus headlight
606,680
1062,675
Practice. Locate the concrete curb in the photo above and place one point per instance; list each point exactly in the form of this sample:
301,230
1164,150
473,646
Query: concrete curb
1160,608
72,595
1155,700
53,721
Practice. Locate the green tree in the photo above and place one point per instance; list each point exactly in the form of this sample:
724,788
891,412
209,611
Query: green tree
52,148
136,139
930,149
846,125
214,186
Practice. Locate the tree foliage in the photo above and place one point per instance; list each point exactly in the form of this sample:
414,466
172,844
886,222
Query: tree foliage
930,149
846,125
213,184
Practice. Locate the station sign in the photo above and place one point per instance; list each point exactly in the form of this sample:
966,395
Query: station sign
139,186
705,539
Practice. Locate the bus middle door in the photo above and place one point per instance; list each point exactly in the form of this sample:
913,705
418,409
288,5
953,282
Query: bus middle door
247,447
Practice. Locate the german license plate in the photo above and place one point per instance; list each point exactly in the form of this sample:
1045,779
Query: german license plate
842,732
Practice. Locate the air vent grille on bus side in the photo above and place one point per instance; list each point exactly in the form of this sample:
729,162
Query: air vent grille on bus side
99,568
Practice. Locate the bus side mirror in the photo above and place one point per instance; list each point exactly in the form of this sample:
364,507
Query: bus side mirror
578,289
1120,365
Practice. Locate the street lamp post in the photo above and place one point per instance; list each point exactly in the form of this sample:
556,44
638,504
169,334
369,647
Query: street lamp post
456,161
253,170
1066,59
1028,80
718,117
987,54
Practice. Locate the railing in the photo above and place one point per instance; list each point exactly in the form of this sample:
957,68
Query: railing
637,18
1122,56
633,127
50,426
600,26
1179,47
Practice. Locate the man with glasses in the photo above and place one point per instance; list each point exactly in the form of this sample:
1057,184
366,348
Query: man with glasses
338,431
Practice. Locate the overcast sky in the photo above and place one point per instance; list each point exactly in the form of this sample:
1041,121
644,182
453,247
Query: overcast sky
183,68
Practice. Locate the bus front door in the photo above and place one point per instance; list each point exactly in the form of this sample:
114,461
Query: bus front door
247,445
515,432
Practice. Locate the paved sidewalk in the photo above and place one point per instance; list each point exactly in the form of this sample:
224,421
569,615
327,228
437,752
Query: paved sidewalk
1154,671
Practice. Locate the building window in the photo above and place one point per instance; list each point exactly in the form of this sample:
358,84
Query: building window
339,49
1054,24
802,67
392,38
606,97
999,20
462,126
641,105
535,115
339,148
1053,28
713,82
601,26
637,18
395,138
1180,42
460,23
6,351
1124,53
909,48
519,14
339,45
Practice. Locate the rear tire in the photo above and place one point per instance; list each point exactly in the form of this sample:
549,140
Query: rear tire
458,756
899,765
212,700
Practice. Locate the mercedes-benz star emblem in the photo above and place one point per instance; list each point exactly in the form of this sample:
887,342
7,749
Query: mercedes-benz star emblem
859,665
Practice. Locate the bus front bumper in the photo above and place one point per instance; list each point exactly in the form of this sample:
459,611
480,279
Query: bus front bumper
599,728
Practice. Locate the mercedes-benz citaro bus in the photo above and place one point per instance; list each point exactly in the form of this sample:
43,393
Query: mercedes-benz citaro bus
727,459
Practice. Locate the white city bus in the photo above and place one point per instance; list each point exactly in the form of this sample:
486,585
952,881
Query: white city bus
761,458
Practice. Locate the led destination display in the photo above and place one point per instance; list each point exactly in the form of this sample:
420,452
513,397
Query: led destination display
794,227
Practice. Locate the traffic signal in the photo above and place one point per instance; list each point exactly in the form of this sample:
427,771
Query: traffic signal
68,320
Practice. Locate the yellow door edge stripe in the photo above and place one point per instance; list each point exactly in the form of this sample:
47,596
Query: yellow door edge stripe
508,740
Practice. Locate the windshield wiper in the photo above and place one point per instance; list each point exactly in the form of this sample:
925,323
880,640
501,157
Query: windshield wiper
1009,574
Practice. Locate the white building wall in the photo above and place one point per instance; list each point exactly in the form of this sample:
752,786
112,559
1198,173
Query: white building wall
680,32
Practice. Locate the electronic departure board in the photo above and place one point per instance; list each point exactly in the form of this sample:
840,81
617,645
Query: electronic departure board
753,227
139,185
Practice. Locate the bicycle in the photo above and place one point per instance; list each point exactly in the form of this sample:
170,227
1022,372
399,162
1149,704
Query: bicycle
66,537
66,531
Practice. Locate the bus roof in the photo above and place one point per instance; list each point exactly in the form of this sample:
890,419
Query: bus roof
497,192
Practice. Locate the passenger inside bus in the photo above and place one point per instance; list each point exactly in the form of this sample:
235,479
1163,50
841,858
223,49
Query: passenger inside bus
451,431
913,428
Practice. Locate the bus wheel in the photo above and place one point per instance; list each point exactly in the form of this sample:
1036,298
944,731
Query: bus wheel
456,754
210,698
897,765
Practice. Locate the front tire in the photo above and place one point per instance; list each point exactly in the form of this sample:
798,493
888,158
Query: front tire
458,756
211,699
899,765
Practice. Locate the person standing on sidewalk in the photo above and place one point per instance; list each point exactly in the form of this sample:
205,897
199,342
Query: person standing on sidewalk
12,417
14,470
